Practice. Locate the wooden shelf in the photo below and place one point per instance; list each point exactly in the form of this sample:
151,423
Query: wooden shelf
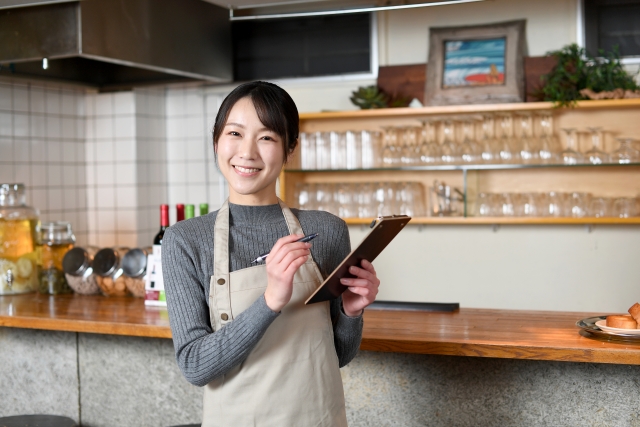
506,221
466,109
511,334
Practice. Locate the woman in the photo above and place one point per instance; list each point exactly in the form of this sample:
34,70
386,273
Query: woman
243,330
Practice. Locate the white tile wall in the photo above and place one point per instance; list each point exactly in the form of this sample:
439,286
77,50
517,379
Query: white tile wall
40,146
106,161
192,175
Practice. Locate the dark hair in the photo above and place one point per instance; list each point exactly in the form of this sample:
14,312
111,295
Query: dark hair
275,108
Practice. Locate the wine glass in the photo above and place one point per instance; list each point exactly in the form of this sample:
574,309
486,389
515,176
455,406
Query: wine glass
390,152
506,150
548,147
529,153
489,153
410,151
571,155
429,148
625,153
450,150
595,155
471,150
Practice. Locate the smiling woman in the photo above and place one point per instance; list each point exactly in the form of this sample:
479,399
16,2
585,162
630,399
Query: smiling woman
241,330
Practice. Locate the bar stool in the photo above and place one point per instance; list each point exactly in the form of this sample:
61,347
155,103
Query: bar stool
37,421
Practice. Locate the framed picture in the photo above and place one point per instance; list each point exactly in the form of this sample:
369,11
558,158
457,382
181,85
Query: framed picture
476,65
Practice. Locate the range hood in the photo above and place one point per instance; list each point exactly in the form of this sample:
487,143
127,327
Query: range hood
116,44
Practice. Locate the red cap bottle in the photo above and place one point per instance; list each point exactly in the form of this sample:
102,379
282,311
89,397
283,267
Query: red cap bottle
179,212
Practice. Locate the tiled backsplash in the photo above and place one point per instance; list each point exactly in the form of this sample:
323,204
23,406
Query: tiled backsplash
42,144
106,161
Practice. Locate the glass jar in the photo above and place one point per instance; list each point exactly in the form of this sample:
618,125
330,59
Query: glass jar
55,239
107,265
78,271
18,254
134,268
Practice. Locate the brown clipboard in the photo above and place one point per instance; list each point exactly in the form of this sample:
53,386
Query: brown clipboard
384,230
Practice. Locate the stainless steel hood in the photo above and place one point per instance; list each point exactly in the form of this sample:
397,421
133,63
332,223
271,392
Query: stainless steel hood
116,44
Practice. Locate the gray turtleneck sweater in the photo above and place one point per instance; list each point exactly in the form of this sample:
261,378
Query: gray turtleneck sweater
187,265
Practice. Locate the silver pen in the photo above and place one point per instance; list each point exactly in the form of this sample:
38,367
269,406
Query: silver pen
305,239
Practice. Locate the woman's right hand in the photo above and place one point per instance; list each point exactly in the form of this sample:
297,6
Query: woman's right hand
283,261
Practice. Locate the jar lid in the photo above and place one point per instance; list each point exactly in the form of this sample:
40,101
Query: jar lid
134,263
12,195
105,262
75,261
52,233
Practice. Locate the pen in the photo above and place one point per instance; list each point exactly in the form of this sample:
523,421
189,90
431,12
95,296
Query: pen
305,239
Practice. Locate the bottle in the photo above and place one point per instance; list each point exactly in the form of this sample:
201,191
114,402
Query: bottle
204,208
164,224
55,240
18,251
179,212
189,211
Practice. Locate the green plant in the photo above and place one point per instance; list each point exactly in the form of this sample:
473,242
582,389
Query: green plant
577,70
368,97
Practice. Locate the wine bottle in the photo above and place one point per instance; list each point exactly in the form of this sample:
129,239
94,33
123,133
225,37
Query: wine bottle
179,212
204,208
189,211
164,224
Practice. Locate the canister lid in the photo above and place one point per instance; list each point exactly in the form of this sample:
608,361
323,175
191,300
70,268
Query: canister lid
134,263
105,262
75,262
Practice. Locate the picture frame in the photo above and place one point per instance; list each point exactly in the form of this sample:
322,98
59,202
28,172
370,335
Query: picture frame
480,64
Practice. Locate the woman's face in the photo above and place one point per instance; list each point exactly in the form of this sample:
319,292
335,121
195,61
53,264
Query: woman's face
249,156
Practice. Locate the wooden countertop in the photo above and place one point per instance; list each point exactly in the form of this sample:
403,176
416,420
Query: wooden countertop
511,334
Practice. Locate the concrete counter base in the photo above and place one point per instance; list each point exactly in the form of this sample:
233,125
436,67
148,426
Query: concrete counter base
106,381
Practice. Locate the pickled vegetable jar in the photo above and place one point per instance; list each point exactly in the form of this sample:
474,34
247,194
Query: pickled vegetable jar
56,239
18,255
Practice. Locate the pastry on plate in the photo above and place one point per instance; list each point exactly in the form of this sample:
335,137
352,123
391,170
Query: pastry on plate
621,321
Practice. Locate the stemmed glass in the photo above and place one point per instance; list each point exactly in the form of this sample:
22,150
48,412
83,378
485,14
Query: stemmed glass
390,152
626,153
471,150
450,150
506,151
410,151
548,146
528,152
429,148
571,155
595,155
489,153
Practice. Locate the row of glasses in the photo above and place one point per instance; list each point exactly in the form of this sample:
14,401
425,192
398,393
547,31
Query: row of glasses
522,138
571,155
362,200
340,150
555,204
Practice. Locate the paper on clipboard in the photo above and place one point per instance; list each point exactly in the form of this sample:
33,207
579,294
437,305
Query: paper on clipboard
384,230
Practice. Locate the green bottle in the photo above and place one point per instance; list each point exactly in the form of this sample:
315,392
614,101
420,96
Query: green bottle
204,208
189,211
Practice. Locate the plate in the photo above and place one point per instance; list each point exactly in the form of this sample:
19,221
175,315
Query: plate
591,330
602,324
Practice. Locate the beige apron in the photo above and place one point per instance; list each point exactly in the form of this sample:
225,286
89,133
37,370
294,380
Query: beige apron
291,377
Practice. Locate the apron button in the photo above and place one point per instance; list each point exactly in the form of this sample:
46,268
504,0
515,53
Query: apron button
221,281
224,316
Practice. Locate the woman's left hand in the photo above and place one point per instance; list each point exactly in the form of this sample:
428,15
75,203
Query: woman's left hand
362,289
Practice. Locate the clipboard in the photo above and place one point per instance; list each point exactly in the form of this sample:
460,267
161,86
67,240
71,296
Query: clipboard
384,230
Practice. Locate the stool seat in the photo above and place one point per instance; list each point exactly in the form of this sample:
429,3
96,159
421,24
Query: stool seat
37,421
188,425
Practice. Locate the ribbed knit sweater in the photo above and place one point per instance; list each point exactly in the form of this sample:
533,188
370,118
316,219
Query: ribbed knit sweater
187,265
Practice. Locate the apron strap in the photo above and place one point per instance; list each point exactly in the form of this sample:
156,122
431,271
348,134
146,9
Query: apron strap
219,289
